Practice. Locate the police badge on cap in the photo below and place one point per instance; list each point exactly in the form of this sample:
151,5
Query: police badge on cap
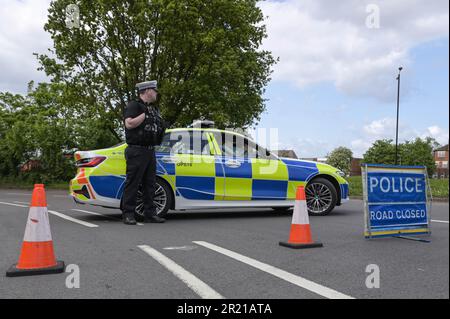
147,85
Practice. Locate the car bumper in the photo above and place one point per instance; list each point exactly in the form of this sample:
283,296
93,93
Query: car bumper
344,192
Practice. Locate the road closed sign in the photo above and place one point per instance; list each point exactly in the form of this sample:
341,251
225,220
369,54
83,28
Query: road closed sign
396,200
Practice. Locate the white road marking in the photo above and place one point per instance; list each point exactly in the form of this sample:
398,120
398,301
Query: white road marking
98,214
440,221
11,204
181,248
21,202
57,214
294,279
72,219
194,283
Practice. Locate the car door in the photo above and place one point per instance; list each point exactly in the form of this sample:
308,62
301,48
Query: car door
190,158
249,171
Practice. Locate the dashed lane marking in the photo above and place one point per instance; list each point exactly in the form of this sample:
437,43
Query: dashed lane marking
72,219
294,279
194,283
12,204
440,221
58,214
185,248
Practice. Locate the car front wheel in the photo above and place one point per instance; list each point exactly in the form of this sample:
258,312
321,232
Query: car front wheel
321,197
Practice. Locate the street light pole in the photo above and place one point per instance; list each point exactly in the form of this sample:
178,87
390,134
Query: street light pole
398,111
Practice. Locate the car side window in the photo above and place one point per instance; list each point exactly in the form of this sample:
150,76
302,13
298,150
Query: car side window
185,142
165,145
233,145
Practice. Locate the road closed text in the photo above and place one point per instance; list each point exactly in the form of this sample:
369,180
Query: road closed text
381,215
399,214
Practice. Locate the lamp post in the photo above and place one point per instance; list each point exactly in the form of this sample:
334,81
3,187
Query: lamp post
398,111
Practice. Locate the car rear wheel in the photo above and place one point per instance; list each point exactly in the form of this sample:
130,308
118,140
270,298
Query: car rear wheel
162,199
321,197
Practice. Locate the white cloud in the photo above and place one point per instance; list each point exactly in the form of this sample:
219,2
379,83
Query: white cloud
380,129
21,34
323,40
385,129
307,148
438,133
316,40
360,146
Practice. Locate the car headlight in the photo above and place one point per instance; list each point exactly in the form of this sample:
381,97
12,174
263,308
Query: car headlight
340,173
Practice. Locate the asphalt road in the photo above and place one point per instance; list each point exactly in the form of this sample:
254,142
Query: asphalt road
226,253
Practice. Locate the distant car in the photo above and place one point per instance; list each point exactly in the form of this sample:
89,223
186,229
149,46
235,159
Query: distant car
210,168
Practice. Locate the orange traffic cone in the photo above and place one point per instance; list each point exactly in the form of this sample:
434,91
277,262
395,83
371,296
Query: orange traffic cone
37,256
300,236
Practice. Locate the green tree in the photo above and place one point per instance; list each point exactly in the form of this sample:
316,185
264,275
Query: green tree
381,152
417,152
204,54
14,142
341,158
45,125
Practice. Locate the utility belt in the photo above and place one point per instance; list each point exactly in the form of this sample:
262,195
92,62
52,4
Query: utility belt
149,147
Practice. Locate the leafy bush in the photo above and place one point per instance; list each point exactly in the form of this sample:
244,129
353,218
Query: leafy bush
417,152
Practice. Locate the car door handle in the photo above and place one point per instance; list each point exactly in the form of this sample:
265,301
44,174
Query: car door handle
233,163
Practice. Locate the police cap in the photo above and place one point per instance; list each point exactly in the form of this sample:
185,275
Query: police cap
147,85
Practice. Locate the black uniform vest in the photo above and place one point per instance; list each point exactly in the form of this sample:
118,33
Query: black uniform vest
150,131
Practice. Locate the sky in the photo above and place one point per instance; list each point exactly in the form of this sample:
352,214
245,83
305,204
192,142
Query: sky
335,82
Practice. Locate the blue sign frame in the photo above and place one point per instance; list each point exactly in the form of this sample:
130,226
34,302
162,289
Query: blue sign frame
397,200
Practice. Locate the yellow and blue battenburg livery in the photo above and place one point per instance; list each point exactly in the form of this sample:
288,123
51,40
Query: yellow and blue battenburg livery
210,168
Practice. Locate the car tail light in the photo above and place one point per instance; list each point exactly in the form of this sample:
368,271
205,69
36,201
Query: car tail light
90,162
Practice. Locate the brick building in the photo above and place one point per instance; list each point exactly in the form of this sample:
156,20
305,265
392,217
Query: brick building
355,167
30,165
441,160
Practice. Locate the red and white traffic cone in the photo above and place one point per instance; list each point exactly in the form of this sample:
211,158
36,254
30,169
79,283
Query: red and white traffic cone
37,256
300,236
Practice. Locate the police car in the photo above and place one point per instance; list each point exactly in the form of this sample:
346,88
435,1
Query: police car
203,167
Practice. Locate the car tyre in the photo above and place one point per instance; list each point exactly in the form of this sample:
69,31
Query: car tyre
321,197
163,200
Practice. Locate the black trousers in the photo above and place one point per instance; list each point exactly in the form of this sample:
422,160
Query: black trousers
141,170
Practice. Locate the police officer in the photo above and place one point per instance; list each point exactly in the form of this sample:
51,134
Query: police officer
143,126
